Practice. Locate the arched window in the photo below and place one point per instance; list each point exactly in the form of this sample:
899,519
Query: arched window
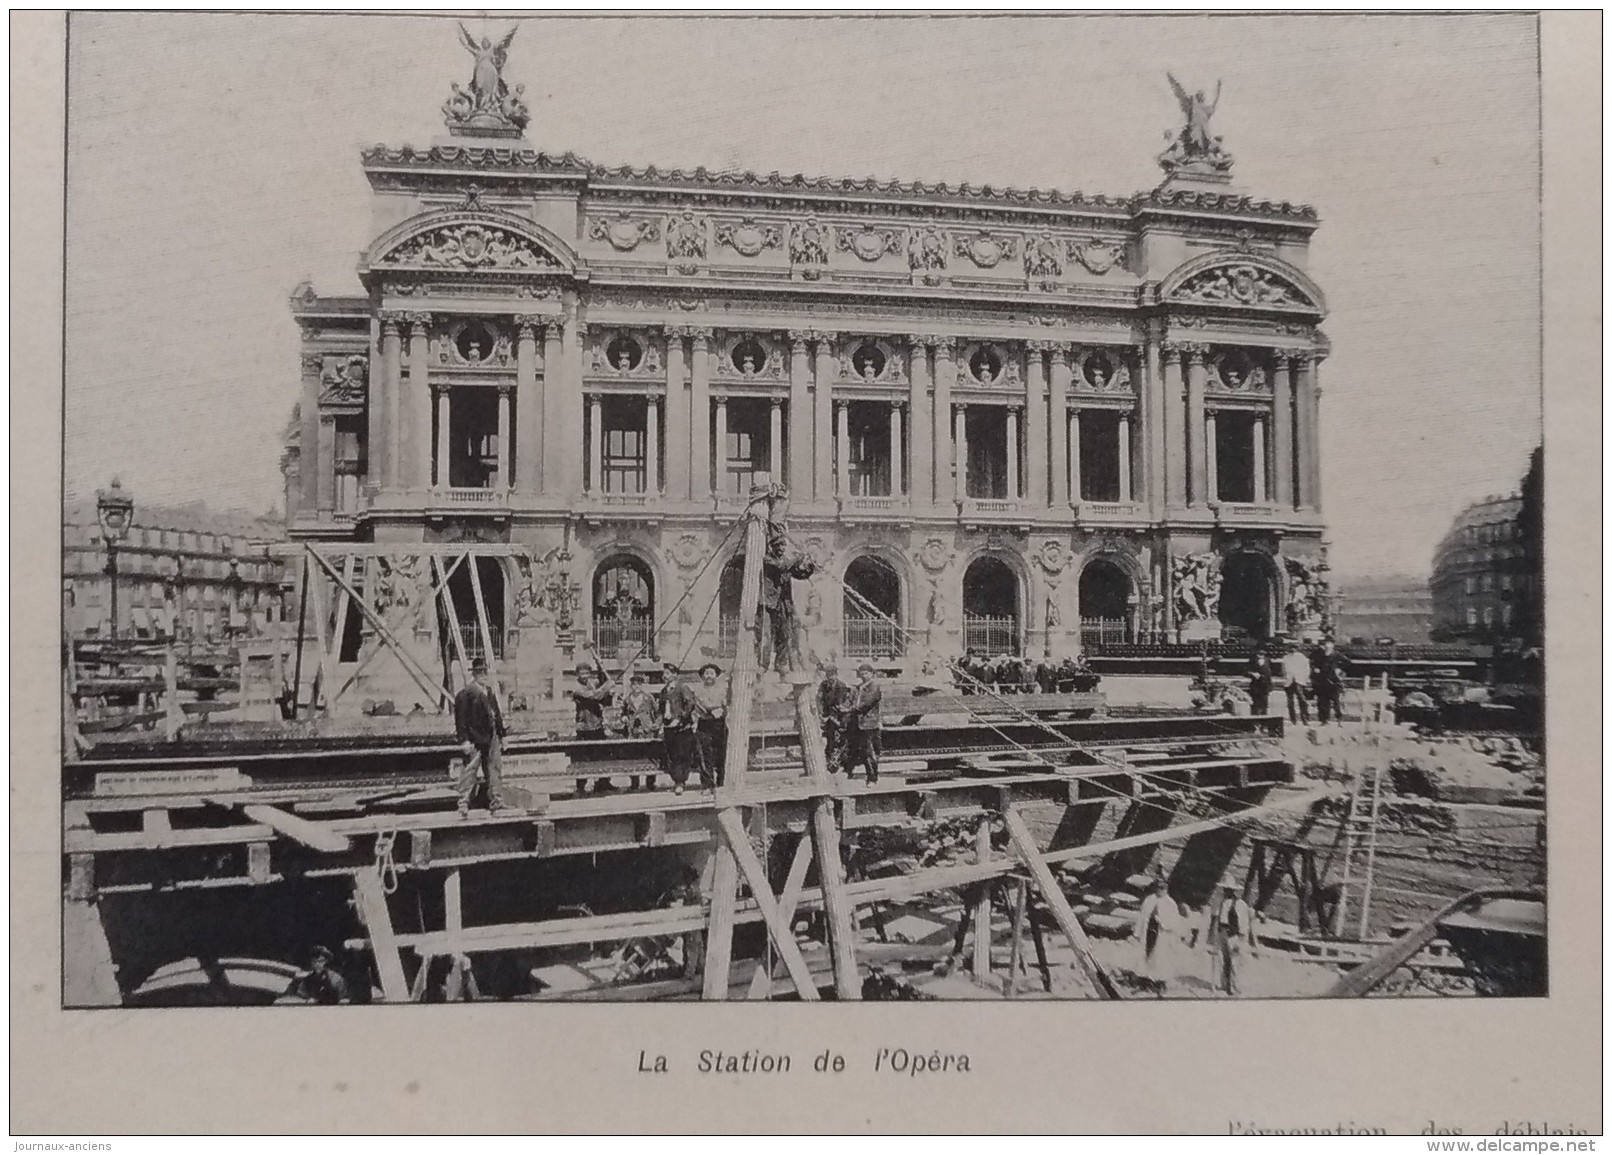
873,612
623,608
991,612
1248,597
1105,609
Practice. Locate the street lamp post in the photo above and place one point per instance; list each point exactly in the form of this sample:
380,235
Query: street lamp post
114,510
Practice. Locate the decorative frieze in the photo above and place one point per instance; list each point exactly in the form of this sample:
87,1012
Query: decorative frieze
984,248
868,243
1097,254
623,231
747,237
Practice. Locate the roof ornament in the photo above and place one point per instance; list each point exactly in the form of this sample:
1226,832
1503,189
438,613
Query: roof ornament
488,107
1193,150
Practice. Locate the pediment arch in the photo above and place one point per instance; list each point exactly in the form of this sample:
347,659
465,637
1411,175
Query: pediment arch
465,240
1242,280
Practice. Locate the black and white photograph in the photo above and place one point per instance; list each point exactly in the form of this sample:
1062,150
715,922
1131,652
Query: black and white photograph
626,509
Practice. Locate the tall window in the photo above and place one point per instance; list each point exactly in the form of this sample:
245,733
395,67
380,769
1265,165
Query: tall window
624,451
869,426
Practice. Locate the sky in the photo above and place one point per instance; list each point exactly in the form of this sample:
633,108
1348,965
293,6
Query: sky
213,164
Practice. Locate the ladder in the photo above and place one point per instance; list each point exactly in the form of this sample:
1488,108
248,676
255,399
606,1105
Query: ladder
1360,825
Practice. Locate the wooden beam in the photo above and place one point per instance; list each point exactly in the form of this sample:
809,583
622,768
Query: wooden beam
788,903
982,904
719,931
1024,846
483,623
311,834
837,902
382,940
453,624
1016,951
778,927
410,666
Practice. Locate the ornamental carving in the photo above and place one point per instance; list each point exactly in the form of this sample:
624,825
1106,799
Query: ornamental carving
819,551
624,354
993,365
397,583
688,550
344,379
1239,285
1101,371
1236,372
872,362
1041,258
623,232
685,238
1195,581
935,555
984,249
1306,595
1053,557
808,243
868,243
744,355
926,252
1098,256
470,246
475,343
747,238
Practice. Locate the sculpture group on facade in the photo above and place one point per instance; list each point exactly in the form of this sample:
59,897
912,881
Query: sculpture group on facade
1305,598
1195,578
489,104
1194,147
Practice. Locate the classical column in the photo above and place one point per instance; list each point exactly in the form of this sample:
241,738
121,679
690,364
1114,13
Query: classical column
309,461
1125,457
800,416
678,429
392,394
444,444
1062,378
721,485
418,436
896,471
595,439
920,457
823,419
528,408
1175,427
960,444
843,455
775,441
652,447
503,440
1154,420
1304,433
1211,459
699,460
1312,372
382,395
1013,453
1198,451
949,467
1075,495
1260,462
1035,425
327,462
556,448
1282,431
571,345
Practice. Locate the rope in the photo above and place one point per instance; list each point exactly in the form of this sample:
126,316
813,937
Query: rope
385,866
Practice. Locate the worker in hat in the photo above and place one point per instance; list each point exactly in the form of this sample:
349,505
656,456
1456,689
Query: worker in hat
832,696
640,717
781,565
321,983
864,723
1230,936
590,700
679,717
712,727
479,724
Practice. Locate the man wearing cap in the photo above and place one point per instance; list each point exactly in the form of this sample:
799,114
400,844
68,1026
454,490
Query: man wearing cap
321,983
863,723
479,725
712,728
832,695
590,700
679,711
780,565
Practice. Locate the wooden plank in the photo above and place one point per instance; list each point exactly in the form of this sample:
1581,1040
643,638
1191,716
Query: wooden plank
453,625
837,901
382,939
1024,846
778,927
311,834
410,666
484,626
788,903
1015,956
719,931
982,904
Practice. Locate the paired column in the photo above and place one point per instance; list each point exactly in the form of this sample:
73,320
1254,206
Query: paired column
679,432
1282,431
921,458
1197,433
1125,457
823,419
896,471
327,462
383,390
443,442
1310,396
1154,423
775,443
503,480
396,416
1075,495
1261,462
555,446
652,447
595,445
570,376
1062,377
418,437
1211,459
1013,492
800,422
699,395
1175,427
960,441
951,462
528,408
309,460
843,456
1035,424
721,484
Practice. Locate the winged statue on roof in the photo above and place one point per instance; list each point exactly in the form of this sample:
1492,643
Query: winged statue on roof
1195,145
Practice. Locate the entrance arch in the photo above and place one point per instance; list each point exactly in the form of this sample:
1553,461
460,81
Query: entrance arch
1105,603
991,607
462,582
1248,597
623,607
873,615
729,595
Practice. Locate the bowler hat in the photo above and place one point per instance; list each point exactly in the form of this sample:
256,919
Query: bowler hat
478,665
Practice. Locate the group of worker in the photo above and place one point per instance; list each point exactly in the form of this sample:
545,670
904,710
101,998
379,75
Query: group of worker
1006,674
1226,929
1317,674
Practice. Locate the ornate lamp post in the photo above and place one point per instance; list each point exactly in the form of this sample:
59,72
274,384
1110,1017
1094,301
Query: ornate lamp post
114,510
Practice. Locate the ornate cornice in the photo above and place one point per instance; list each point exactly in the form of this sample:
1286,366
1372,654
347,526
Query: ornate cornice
312,362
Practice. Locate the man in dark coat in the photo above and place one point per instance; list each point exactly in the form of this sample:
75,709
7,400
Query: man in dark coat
832,696
780,565
479,725
1326,679
1046,676
590,700
679,710
864,724
1260,679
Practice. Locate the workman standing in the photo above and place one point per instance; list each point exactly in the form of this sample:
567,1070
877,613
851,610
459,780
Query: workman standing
1326,679
679,711
590,700
479,725
864,724
1158,919
832,695
640,717
1296,683
1231,934
780,565
712,728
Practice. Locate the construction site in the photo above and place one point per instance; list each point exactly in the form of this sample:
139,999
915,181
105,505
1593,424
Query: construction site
217,839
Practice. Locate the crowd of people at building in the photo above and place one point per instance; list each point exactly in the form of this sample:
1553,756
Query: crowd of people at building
973,673
1301,676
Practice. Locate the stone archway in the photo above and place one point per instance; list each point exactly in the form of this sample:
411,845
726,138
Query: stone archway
1107,599
993,607
623,608
873,615
1249,597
